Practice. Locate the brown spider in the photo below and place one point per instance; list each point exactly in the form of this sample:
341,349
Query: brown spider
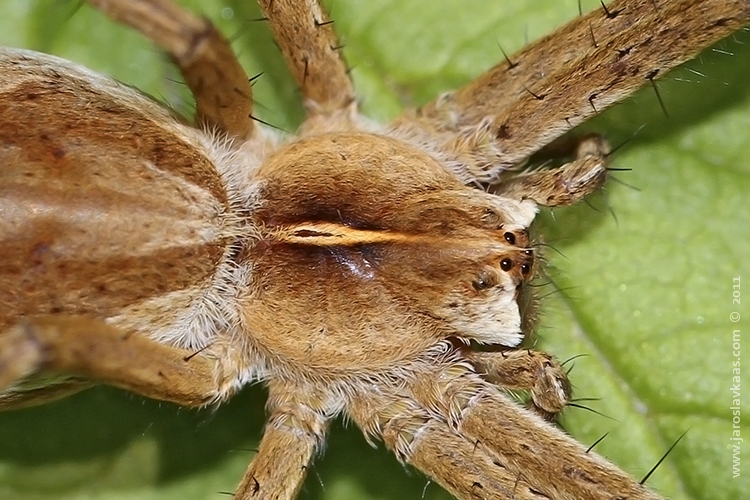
354,269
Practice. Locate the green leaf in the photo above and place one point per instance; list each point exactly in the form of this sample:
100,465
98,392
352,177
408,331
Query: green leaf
647,271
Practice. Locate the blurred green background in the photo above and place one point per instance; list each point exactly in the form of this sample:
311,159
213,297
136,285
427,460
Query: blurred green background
646,268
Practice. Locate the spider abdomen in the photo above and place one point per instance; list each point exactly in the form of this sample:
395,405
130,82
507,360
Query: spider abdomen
93,226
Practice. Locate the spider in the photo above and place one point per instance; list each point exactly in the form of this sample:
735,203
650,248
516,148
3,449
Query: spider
414,394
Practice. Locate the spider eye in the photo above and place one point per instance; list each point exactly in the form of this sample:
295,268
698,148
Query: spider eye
506,264
525,268
491,218
510,238
482,282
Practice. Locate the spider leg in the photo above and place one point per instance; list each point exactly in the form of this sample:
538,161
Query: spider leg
531,99
92,350
312,52
26,397
420,438
543,453
534,371
297,424
564,185
553,463
221,88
